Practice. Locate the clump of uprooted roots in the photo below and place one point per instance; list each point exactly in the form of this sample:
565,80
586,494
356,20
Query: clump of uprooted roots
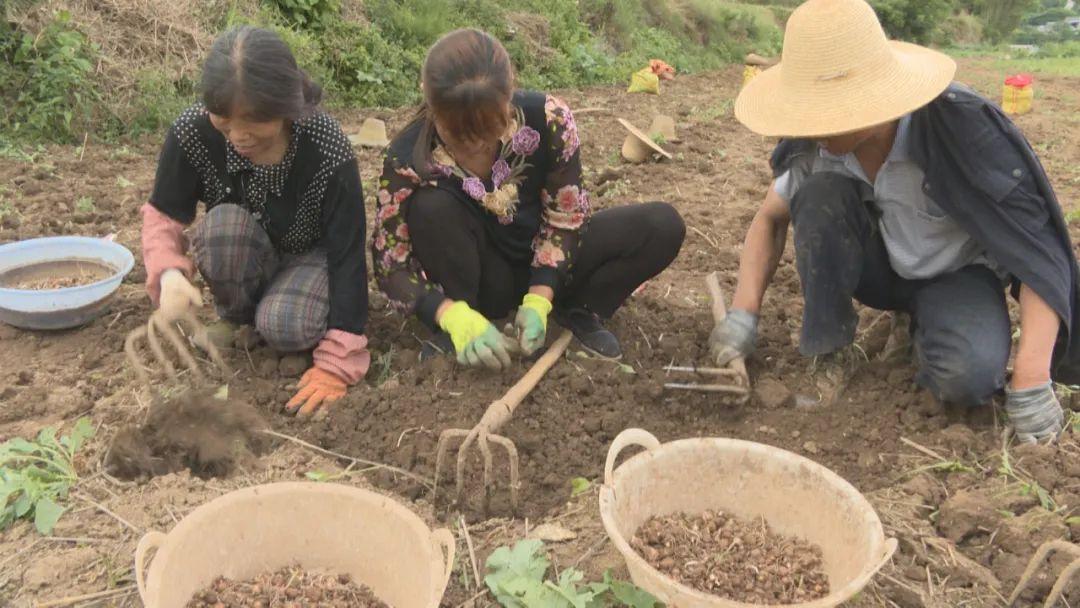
194,430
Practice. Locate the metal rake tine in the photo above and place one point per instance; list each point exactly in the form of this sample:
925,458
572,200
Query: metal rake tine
440,455
462,453
1044,551
512,454
198,327
133,355
708,388
155,347
182,351
485,451
726,372
1063,580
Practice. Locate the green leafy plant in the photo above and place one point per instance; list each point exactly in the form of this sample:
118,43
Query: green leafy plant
35,476
516,577
578,486
307,13
47,80
84,204
383,364
1028,487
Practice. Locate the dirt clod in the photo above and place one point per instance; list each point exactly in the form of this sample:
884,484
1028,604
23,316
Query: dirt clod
773,394
298,588
193,430
732,558
292,366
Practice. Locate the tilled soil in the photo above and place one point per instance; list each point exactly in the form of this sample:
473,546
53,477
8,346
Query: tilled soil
287,588
732,558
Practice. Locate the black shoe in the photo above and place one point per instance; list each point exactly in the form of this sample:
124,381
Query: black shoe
440,344
588,330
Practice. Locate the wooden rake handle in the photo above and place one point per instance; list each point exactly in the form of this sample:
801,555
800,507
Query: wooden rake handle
719,313
501,409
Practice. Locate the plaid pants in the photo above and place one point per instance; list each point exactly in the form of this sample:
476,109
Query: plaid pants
286,296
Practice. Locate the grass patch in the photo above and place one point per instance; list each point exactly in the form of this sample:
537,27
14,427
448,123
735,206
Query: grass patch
364,55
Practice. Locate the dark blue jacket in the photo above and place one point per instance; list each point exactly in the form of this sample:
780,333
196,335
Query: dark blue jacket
981,171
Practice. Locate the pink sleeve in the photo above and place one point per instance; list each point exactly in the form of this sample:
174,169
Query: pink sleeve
343,354
163,246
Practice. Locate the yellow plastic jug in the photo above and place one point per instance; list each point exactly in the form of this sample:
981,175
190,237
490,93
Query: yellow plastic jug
1018,93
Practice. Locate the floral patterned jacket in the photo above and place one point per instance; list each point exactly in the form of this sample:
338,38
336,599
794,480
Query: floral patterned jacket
533,205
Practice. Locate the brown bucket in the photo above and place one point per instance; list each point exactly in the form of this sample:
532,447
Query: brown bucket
797,496
322,527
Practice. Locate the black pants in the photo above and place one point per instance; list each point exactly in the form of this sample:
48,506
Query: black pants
620,249
961,328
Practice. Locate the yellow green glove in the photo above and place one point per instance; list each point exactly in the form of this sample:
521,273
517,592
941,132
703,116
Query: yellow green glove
531,322
475,339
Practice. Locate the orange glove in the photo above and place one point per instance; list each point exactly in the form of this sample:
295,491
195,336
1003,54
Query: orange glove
317,388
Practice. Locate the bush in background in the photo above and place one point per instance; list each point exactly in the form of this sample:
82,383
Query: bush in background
364,53
917,21
46,82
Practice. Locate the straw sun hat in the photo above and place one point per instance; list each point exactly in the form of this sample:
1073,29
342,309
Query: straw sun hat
839,74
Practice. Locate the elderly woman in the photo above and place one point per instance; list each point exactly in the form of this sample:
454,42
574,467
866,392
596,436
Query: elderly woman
911,193
282,241
481,208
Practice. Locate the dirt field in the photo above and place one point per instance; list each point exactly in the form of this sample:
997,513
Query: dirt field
966,530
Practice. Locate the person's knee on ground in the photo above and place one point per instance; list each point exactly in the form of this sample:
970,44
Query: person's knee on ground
668,231
235,257
828,217
962,379
283,329
432,213
823,201
222,226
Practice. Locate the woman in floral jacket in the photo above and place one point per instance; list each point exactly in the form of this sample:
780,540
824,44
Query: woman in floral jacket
481,209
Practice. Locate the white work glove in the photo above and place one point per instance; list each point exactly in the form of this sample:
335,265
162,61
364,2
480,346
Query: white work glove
733,337
178,295
1035,413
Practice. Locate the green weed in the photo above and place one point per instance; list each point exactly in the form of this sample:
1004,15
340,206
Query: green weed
382,364
516,577
35,476
578,486
308,13
84,204
48,83
1027,487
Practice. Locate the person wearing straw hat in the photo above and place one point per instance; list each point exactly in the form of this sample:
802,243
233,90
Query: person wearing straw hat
907,192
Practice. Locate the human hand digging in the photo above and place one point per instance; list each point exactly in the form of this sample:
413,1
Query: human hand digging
476,340
317,389
1035,413
178,296
734,336
531,322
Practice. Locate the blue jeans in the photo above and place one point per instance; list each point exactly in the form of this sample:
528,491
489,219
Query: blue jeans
960,322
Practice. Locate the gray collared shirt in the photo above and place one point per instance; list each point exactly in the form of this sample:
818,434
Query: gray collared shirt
922,241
